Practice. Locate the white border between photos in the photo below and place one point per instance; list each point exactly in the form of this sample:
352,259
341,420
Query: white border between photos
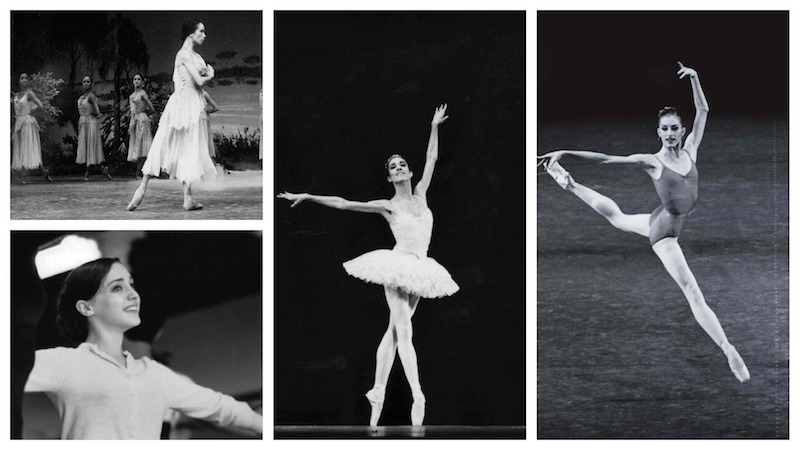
268,194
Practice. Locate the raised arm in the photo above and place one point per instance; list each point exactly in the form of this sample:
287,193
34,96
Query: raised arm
34,99
185,58
701,111
375,206
432,153
639,159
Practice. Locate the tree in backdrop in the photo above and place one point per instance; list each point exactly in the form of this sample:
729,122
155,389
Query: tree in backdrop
79,36
123,52
252,60
225,56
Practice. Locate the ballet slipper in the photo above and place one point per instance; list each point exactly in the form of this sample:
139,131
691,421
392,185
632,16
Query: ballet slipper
560,175
418,409
106,173
137,199
192,205
375,397
736,364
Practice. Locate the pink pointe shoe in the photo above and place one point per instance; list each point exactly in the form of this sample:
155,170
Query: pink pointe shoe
736,364
562,177
418,410
375,397
136,200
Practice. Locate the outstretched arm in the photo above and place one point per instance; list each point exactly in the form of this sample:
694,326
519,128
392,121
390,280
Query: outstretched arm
374,206
701,111
432,153
635,159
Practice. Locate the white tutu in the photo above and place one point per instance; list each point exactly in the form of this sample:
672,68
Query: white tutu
406,272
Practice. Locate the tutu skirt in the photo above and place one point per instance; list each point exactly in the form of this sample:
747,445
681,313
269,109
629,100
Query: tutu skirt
90,147
406,272
181,145
27,152
141,136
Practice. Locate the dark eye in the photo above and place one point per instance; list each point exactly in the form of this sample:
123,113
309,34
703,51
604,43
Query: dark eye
116,288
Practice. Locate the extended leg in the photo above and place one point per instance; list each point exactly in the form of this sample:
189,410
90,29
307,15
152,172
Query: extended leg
674,261
631,223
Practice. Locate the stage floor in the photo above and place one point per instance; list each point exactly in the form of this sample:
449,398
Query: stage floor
399,432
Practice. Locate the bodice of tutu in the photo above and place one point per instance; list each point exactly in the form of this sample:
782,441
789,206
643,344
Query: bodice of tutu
84,107
412,234
22,106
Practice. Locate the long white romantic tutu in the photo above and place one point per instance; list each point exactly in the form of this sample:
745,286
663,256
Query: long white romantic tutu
416,275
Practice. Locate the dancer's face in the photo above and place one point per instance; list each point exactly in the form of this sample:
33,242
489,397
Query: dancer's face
23,79
137,81
398,170
87,83
116,303
199,35
670,130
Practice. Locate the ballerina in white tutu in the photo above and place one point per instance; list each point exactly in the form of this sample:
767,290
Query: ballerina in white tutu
406,272
181,144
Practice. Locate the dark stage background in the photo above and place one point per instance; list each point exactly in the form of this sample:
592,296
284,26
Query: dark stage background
619,354
350,90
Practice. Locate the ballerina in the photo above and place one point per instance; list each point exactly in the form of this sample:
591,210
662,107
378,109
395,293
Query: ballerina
181,144
405,272
90,145
103,392
27,151
141,136
674,175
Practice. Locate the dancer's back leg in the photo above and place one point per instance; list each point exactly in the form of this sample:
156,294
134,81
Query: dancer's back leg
631,223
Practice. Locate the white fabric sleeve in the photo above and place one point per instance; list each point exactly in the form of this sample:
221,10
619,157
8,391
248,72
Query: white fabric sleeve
48,370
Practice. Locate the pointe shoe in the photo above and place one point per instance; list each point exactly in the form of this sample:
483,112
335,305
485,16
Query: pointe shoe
562,177
736,364
418,410
375,398
137,198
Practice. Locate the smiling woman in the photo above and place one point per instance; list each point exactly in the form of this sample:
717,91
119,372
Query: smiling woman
103,392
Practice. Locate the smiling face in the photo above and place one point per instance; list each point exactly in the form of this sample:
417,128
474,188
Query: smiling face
199,35
398,170
137,81
87,83
116,303
670,131
23,80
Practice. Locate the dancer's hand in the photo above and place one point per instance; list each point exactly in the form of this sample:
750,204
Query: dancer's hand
296,199
686,71
210,70
549,158
438,115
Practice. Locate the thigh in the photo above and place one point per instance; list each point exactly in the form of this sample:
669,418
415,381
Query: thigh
399,304
671,255
637,223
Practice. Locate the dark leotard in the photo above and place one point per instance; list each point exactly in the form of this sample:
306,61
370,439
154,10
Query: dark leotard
678,195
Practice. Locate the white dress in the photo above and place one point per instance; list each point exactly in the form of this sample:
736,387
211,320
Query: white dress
27,152
181,145
90,145
407,266
141,137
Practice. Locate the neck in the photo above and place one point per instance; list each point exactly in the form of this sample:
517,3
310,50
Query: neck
402,189
188,44
109,341
138,88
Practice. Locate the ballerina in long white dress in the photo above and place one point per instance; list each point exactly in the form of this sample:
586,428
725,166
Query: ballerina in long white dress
405,272
181,144
27,150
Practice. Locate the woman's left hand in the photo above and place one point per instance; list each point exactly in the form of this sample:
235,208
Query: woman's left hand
438,115
296,199
686,71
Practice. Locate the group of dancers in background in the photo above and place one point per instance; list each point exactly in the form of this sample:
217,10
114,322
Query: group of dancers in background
182,147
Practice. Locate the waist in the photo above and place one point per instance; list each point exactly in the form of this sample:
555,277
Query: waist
408,250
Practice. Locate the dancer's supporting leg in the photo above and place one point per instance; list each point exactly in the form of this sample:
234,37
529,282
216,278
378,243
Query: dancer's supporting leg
188,202
138,195
86,173
672,257
400,315
631,223
384,359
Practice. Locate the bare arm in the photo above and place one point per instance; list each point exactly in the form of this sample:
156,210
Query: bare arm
211,105
432,154
93,100
375,206
34,99
147,101
701,111
185,58
638,159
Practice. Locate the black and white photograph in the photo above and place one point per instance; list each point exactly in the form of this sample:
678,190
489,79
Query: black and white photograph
662,258
175,354
399,263
136,115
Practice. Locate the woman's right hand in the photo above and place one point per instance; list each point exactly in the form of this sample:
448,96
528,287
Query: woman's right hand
549,158
296,199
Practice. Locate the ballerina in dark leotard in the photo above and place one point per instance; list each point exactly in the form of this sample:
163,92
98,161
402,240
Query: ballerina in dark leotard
674,175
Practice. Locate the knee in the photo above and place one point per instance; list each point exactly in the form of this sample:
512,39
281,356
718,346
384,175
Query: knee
402,326
693,293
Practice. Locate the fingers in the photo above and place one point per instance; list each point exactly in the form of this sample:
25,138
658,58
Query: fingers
681,64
